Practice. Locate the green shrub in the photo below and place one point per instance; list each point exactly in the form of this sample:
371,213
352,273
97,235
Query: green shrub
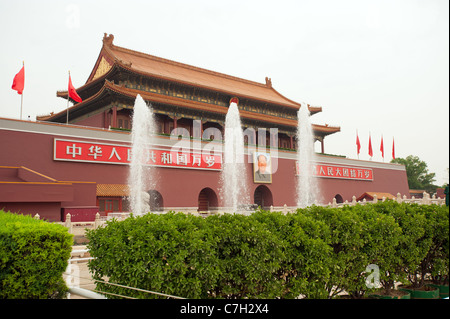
436,260
33,256
381,248
305,267
346,238
170,253
317,252
248,256
413,244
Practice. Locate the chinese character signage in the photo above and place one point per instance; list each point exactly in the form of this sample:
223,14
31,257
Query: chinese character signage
82,151
343,172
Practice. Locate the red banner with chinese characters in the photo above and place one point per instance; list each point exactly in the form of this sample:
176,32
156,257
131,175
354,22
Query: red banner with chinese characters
342,172
82,151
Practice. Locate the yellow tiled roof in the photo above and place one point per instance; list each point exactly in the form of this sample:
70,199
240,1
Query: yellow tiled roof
380,195
112,190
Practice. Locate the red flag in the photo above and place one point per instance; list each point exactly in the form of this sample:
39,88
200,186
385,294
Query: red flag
19,81
370,147
358,144
393,149
382,147
72,92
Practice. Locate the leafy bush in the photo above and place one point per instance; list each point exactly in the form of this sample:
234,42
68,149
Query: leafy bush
308,256
170,253
381,248
304,267
436,260
414,243
266,255
248,255
346,238
33,256
317,252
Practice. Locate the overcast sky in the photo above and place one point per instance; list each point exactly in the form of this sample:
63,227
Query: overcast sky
379,67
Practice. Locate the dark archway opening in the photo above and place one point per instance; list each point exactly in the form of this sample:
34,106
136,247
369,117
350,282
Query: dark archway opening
207,200
155,201
339,199
263,196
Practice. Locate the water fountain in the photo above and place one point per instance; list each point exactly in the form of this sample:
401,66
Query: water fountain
307,188
234,176
141,178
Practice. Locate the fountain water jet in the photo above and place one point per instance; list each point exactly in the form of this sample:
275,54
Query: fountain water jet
140,178
234,176
307,188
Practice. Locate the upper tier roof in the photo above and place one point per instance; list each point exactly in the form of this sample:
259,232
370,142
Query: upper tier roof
114,60
152,66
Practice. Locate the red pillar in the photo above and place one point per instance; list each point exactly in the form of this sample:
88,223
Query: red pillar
274,138
175,119
106,120
199,133
114,117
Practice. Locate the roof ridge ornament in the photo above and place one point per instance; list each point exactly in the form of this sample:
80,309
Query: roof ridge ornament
268,82
108,39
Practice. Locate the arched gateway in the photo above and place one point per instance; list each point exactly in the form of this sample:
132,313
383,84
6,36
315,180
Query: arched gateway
156,201
263,196
207,200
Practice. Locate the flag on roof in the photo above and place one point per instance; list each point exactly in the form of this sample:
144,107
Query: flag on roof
19,81
72,92
358,144
393,149
382,147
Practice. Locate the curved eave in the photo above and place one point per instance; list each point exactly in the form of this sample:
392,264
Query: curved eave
312,109
324,130
79,106
201,106
88,85
214,89
155,98
120,65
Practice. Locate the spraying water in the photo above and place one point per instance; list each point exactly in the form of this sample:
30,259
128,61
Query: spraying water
140,178
307,188
234,188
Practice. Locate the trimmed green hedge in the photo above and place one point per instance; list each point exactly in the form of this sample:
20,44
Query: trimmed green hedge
317,252
33,256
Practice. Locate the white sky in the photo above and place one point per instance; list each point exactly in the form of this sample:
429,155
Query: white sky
374,66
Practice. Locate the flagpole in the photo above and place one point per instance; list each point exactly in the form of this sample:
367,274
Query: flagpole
21,105
68,98
21,96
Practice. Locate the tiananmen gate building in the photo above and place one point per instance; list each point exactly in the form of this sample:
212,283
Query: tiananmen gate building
52,167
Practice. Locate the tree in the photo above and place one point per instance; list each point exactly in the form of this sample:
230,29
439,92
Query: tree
417,173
